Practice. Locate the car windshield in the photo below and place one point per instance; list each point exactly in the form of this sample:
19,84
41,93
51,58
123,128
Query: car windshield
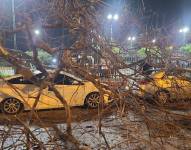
59,79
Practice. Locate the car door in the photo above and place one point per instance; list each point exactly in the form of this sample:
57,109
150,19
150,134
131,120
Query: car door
33,93
47,99
23,90
71,90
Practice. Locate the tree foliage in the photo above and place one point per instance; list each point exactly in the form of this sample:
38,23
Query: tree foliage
45,57
186,48
142,52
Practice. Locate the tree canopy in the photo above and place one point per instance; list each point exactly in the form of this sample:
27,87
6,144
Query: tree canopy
142,52
186,48
43,56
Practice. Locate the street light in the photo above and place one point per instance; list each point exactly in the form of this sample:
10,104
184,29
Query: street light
184,30
112,18
131,39
54,60
154,41
37,32
116,17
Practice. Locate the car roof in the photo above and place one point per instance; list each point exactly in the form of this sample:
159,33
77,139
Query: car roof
13,76
38,72
64,73
71,75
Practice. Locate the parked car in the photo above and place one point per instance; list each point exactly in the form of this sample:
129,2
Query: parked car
164,88
17,94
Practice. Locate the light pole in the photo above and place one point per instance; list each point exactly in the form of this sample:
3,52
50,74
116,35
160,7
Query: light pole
112,18
131,39
14,24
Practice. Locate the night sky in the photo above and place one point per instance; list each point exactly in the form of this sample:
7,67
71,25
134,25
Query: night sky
179,9
169,10
176,12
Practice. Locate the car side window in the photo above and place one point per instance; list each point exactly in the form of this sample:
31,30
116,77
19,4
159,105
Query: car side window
58,80
19,80
64,80
39,77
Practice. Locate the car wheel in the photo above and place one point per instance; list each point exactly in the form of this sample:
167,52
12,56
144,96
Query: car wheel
92,100
162,97
11,106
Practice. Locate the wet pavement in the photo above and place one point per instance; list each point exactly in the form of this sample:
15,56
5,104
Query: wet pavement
56,116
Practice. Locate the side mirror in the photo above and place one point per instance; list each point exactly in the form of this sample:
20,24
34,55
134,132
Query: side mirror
75,82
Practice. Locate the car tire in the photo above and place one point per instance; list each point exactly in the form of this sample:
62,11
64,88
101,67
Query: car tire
11,106
92,100
162,97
